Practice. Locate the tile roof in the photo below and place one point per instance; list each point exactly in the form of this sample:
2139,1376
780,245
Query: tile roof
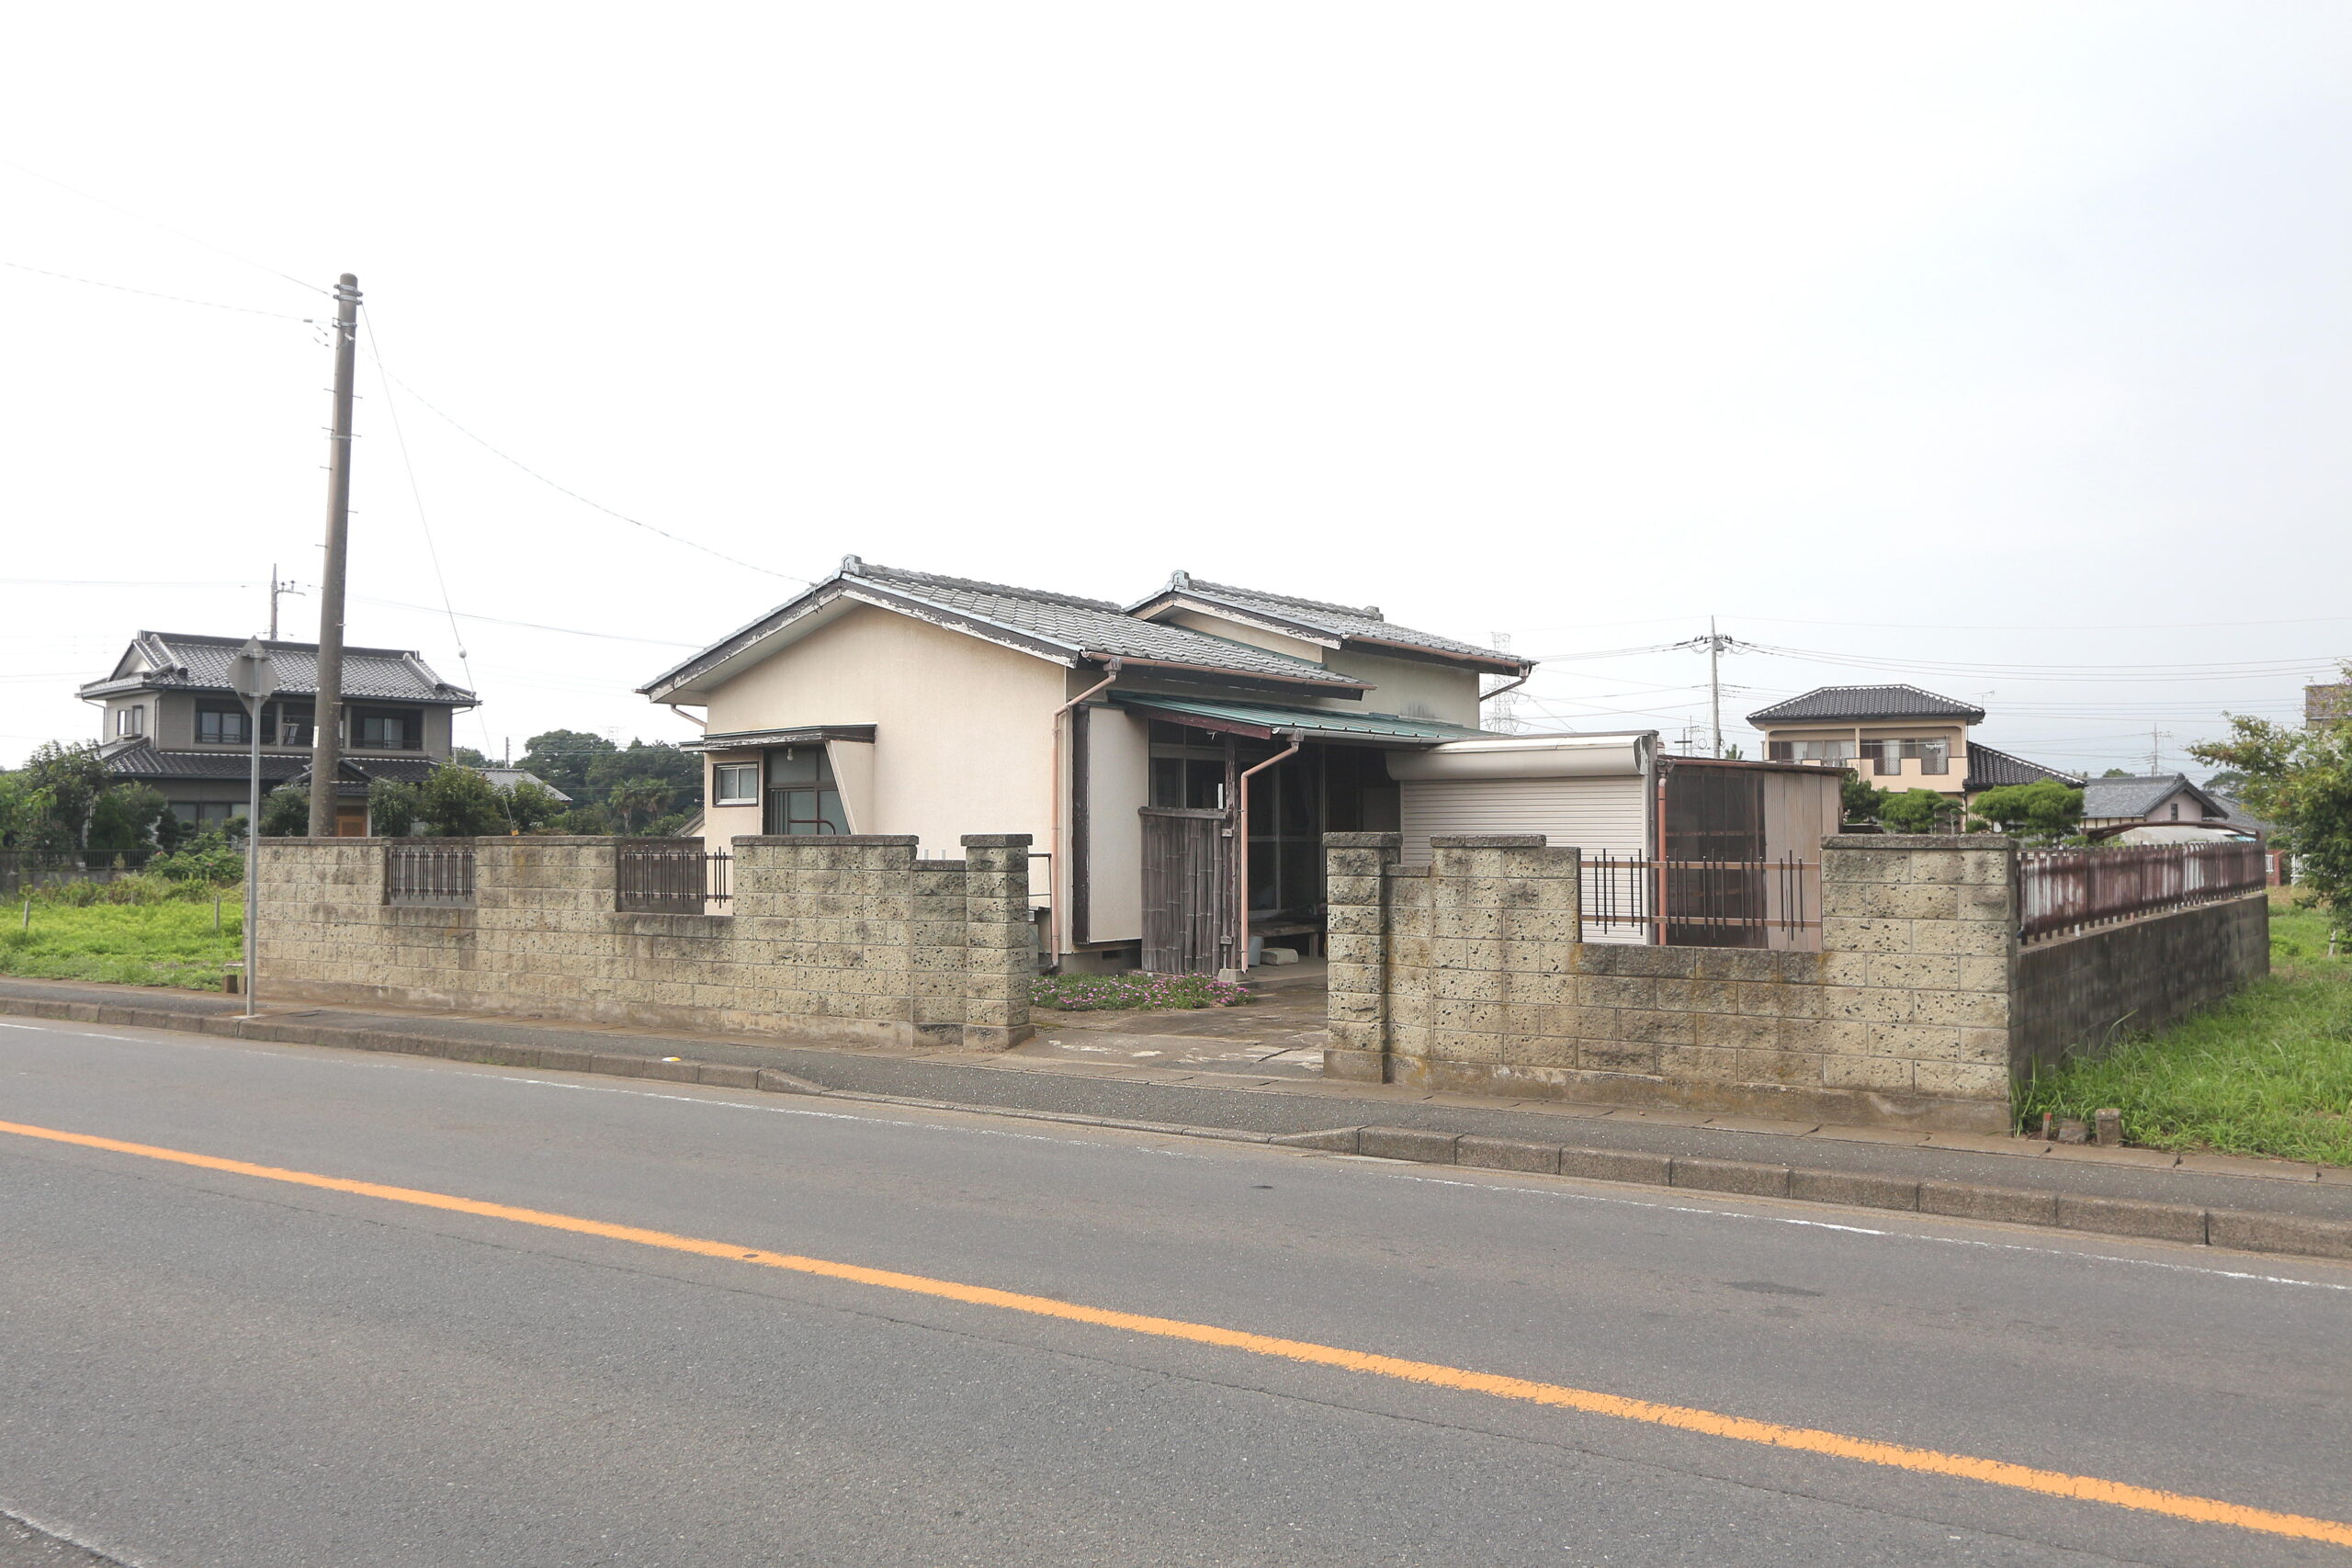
186,662
143,762
1061,627
1989,769
1315,722
1866,703
1347,623
2109,798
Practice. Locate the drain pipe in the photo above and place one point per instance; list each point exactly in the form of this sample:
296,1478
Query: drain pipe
1241,849
1507,686
1060,865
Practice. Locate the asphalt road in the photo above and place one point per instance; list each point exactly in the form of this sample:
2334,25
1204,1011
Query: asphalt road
200,1366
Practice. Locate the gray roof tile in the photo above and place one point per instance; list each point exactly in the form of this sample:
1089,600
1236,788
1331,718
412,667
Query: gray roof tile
1989,769
2105,798
1345,622
183,662
1867,703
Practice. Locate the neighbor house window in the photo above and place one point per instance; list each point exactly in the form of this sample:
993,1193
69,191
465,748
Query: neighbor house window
801,795
132,720
381,729
204,815
222,723
735,783
285,725
1809,750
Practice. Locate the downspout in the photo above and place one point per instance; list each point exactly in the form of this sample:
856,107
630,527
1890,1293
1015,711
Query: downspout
1060,865
1507,686
699,724
1241,849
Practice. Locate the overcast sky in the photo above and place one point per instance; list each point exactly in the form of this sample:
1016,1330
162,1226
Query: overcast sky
1998,349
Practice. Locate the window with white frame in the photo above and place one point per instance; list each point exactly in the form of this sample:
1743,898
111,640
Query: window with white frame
132,720
735,783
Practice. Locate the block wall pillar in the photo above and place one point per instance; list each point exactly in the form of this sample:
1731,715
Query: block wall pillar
1000,940
1356,891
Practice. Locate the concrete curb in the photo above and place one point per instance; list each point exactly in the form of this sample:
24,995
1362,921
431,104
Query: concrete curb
2246,1232
2232,1229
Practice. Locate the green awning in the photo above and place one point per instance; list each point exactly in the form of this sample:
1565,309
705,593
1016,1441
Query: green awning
1263,720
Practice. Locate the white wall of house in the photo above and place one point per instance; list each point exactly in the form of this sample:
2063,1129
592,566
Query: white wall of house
1408,686
963,728
1118,787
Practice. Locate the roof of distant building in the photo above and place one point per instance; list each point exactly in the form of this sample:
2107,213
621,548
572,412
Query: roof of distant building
141,761
1842,703
2112,799
1316,620
504,779
187,662
1989,769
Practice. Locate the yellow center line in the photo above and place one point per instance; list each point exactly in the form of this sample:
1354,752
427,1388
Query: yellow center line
1993,1473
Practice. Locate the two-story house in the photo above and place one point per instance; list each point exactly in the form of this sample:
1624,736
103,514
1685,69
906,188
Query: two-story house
171,720
1899,737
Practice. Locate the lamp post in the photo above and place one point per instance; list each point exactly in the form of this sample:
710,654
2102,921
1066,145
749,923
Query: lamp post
251,677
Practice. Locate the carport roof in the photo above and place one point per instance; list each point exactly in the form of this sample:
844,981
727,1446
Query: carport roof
1264,720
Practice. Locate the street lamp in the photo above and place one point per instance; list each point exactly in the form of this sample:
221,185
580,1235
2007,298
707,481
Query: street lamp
251,677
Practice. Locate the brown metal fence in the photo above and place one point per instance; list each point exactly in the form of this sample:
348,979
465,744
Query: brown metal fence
2063,891
428,874
671,876
1706,903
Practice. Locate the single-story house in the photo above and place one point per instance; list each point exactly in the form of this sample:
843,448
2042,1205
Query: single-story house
2159,800
1176,761
171,720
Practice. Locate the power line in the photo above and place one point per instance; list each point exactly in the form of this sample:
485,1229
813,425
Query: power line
167,227
152,294
584,500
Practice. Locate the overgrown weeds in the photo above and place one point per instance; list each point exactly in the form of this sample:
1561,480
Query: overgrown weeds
1124,993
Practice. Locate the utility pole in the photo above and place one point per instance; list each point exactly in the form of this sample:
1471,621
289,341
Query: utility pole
2157,739
1715,684
326,713
277,591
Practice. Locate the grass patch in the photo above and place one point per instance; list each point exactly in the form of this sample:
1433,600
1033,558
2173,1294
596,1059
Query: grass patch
2268,1072
146,937
1128,993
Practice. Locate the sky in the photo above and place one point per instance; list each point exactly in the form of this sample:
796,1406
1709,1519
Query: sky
1998,349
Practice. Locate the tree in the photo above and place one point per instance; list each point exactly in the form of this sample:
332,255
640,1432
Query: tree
657,760
458,803
392,808
125,817
636,801
286,812
2228,780
468,756
561,757
75,778
2115,774
2045,809
2300,781
1917,811
1861,800
27,814
530,807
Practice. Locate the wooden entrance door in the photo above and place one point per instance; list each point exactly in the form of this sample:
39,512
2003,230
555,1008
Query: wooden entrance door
1187,891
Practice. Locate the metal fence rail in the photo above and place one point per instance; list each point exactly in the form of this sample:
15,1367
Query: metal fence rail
1706,903
2063,891
671,876
428,874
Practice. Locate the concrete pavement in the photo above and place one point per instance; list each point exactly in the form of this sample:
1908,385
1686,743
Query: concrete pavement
207,1367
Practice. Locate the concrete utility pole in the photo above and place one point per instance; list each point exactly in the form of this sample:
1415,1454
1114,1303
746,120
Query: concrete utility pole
1715,684
278,591
327,710
251,677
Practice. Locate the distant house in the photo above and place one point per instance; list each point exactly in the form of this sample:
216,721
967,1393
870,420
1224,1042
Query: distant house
170,720
504,781
1897,737
2158,800
2327,704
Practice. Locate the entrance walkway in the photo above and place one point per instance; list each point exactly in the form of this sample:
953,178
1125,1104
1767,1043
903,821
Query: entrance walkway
1279,1035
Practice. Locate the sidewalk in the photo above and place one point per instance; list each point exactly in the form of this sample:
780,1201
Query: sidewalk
1058,1074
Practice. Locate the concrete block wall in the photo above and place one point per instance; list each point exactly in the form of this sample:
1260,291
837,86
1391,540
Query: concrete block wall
1469,975
837,939
2080,994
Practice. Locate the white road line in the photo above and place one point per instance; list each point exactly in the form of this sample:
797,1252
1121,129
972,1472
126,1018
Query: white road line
492,1073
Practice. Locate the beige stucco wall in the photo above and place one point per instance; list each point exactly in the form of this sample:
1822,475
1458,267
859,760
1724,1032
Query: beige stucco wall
1947,782
1236,631
1408,686
963,728
1119,785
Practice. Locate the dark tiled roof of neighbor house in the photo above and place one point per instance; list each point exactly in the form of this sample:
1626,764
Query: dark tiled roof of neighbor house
1347,623
2105,798
185,662
141,761
1056,625
1841,704
1989,769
